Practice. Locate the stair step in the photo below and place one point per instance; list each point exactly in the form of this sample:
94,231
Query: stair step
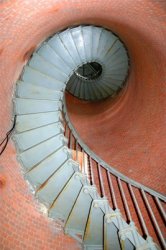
77,35
118,77
54,185
107,41
87,92
93,238
111,237
77,220
119,62
31,91
36,154
87,38
33,137
118,54
72,84
106,84
77,88
96,34
66,200
91,95
40,64
128,245
113,83
116,50
32,121
120,70
106,89
60,49
31,106
69,43
38,175
35,77
49,54
99,92
81,91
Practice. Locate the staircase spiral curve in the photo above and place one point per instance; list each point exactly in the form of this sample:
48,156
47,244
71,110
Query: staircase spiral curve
59,182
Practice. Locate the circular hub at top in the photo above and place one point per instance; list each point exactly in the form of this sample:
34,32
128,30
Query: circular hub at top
89,71
96,61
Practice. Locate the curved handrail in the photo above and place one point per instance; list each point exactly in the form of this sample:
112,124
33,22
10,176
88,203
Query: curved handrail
104,164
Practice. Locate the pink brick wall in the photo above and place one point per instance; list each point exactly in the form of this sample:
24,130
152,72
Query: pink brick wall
133,128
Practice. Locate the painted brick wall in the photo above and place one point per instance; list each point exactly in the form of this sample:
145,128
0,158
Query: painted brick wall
134,128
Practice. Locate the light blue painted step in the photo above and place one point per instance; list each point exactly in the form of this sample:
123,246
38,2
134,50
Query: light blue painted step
53,187
35,77
128,245
67,40
87,34
81,90
93,238
87,95
118,71
78,38
73,82
31,106
90,92
43,171
60,49
50,55
107,40
40,64
98,91
36,154
115,51
31,91
111,237
78,217
32,121
77,87
33,137
105,88
66,200
113,83
119,63
108,89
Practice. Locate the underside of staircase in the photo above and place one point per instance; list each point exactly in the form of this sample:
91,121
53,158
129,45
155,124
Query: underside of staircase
92,64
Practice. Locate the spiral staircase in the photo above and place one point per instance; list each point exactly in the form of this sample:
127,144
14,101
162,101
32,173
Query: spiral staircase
92,64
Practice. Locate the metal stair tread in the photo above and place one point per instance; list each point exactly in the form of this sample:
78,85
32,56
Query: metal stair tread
68,42
34,155
55,184
32,121
59,47
35,77
93,236
31,91
38,63
66,200
33,137
29,106
49,54
79,42
43,171
77,219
